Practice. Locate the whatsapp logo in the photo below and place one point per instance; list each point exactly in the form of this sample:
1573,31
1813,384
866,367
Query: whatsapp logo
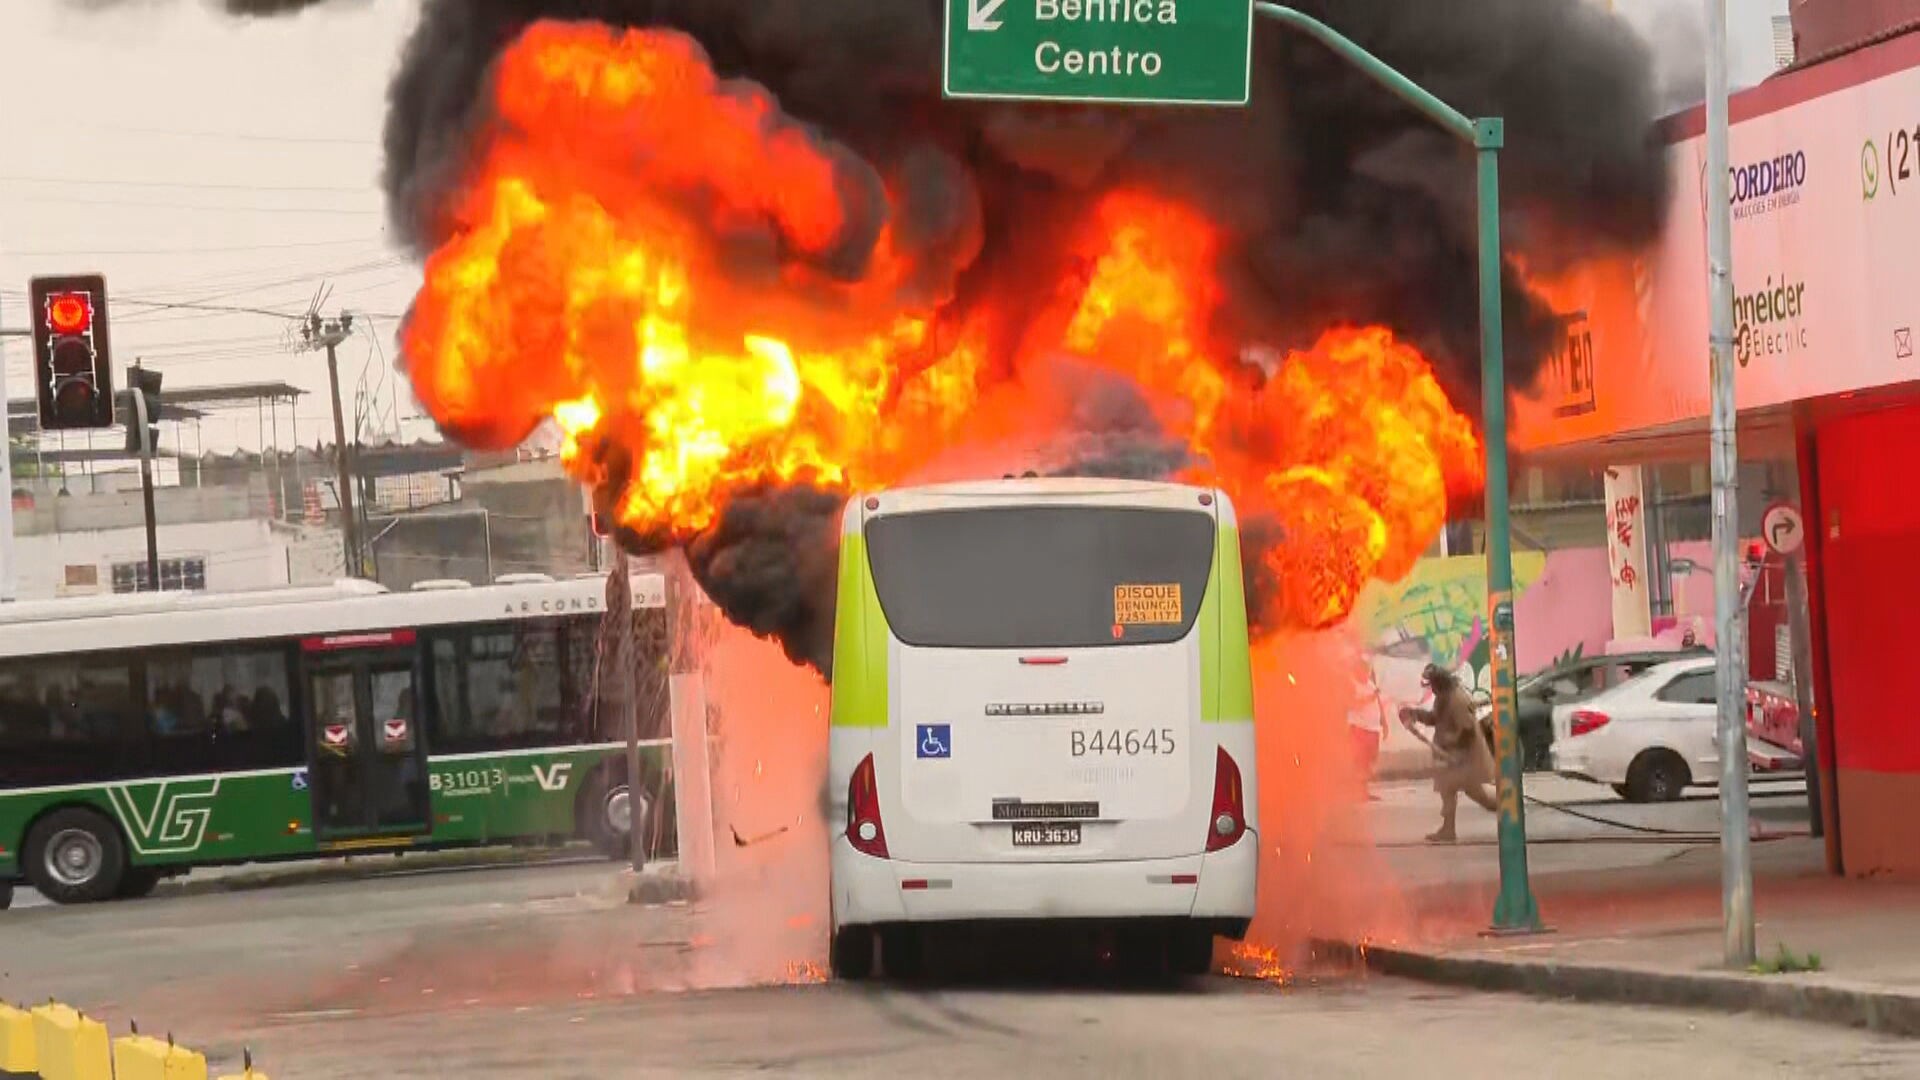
1869,171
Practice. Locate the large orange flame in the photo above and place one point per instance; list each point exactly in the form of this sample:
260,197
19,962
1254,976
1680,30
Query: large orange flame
595,279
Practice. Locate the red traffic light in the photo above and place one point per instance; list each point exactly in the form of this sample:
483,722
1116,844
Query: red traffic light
72,354
70,312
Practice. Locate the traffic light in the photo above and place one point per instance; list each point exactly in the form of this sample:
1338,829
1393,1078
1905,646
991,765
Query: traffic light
72,362
146,383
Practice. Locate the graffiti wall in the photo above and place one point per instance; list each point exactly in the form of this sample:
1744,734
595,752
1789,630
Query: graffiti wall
1562,605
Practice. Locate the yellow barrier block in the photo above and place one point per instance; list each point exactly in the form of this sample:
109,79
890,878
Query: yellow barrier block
140,1057
16,1041
70,1046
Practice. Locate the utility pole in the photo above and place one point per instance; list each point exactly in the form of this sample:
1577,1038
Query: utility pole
144,388
630,657
8,572
321,333
1730,646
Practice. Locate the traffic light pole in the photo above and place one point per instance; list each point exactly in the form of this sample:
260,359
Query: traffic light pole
1515,910
146,487
8,573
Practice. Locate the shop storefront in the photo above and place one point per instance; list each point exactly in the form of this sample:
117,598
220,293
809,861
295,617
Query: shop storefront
1826,189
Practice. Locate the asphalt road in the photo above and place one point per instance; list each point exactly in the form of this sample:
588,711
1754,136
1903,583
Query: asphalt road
547,972
1218,1030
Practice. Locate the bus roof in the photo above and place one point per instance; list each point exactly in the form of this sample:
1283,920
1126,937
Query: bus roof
1043,490
141,620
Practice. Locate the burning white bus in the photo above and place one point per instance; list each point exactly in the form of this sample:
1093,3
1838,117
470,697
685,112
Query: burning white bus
1042,710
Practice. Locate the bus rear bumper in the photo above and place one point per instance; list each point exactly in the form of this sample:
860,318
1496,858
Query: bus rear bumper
1215,887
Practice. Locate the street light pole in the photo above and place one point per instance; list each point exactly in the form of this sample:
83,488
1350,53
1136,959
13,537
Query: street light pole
1730,652
1515,911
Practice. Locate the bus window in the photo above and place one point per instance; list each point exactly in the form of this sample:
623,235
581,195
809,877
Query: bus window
518,688
214,710
69,721
1035,576
445,728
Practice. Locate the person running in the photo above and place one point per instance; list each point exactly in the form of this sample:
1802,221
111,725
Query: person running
1459,748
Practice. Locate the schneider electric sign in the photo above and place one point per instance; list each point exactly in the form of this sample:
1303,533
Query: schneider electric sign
1169,52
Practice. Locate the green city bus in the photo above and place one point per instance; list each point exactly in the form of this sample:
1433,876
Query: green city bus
146,734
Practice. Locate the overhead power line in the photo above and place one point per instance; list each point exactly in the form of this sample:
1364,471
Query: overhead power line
192,185
285,244
216,208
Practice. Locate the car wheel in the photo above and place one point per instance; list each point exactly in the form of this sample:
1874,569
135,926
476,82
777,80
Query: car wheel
1657,776
137,882
1623,791
6,895
75,856
850,953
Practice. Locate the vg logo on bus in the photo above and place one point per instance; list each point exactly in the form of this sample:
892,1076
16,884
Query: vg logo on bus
933,741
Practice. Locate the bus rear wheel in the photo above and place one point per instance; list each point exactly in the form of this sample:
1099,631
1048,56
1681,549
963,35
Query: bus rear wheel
75,856
850,953
1190,951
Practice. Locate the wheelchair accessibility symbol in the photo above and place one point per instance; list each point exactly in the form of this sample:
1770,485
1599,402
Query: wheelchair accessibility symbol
935,740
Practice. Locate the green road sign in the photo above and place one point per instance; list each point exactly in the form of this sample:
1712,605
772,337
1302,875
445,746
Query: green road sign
1147,52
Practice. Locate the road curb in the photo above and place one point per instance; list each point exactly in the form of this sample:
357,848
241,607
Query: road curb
660,884
1826,1001
376,865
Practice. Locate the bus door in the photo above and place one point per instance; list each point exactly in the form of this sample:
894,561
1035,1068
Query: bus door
367,762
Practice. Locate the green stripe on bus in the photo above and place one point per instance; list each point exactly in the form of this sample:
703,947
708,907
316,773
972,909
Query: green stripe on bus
183,820
1226,668
859,642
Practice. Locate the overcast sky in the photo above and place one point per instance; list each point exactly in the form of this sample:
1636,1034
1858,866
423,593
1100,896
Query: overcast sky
193,157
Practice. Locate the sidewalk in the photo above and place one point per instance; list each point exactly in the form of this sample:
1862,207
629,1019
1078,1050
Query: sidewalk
1651,934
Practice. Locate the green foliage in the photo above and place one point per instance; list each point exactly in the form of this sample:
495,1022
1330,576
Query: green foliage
1787,962
1572,655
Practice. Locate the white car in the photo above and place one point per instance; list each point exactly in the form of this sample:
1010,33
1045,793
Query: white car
1650,737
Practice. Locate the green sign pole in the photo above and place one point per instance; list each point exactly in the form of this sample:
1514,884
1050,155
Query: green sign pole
1515,911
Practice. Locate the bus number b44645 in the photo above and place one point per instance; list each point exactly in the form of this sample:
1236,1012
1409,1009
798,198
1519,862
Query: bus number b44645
1119,742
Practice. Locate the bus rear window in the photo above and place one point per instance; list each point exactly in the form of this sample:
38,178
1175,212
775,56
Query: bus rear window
1031,577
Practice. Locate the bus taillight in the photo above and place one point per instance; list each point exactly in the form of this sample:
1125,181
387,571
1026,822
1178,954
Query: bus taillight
1229,818
864,830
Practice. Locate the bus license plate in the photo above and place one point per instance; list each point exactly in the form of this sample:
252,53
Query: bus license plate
1046,835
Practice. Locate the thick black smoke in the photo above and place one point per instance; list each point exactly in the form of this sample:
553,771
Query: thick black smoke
771,562
231,7
772,565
